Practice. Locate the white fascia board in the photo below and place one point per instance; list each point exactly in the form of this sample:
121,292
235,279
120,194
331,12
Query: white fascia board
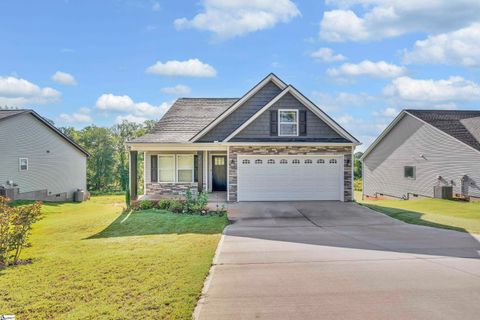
256,115
322,115
236,105
308,104
441,132
223,146
176,146
315,144
383,134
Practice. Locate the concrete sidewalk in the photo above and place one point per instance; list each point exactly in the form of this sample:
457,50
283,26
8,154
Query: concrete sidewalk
331,260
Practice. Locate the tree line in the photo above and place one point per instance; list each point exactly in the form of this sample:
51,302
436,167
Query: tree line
107,166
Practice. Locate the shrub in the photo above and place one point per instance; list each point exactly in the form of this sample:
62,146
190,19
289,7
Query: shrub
176,206
146,204
15,226
164,204
357,184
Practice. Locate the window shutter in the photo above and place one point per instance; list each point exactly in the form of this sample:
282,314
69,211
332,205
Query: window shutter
302,123
153,168
273,122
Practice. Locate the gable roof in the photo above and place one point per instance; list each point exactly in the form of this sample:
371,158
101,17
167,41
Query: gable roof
6,114
463,125
460,124
189,119
185,118
271,77
308,104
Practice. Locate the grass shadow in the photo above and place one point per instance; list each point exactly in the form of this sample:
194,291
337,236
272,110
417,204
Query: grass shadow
152,222
412,217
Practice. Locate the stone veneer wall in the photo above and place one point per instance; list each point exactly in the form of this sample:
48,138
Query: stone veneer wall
289,150
170,189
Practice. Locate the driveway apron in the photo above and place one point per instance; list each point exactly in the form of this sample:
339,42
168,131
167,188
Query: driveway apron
334,260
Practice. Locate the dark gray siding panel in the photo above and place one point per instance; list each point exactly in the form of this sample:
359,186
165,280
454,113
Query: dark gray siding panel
242,114
260,127
434,154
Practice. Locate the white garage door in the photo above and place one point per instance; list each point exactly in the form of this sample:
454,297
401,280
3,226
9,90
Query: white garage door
283,178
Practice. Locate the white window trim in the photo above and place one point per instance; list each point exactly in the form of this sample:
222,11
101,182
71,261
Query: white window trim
177,167
158,167
20,164
414,173
280,123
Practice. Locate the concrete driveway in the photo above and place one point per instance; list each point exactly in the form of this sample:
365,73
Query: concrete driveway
332,260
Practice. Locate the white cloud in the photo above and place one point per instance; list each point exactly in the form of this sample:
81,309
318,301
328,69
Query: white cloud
188,68
376,19
327,55
440,92
15,91
177,90
130,118
125,104
379,69
82,116
458,47
334,102
387,113
64,78
232,18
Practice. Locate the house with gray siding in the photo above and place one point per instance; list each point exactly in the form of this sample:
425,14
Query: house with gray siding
421,149
37,161
272,144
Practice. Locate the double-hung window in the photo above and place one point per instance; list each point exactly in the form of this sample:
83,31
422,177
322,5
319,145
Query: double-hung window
166,168
288,122
23,164
185,168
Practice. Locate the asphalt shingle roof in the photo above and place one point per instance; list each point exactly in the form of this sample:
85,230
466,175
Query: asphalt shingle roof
5,113
185,118
464,125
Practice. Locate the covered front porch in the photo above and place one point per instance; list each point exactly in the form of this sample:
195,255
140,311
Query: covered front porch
170,170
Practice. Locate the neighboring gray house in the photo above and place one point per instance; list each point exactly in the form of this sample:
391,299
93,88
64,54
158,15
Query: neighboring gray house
37,161
273,144
421,149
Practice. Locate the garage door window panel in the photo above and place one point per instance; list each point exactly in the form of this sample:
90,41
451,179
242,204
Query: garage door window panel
288,122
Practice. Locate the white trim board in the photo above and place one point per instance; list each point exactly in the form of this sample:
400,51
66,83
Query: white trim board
394,123
308,104
271,77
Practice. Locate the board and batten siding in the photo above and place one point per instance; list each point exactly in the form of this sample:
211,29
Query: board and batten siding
434,153
260,127
242,114
53,163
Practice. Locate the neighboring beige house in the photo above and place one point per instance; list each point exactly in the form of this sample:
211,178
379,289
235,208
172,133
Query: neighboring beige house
37,161
422,149
272,144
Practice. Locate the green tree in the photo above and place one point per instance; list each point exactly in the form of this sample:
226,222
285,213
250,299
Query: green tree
357,165
99,142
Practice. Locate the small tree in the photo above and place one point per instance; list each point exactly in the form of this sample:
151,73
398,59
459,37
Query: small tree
15,226
127,197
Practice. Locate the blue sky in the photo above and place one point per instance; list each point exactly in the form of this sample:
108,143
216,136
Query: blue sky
362,61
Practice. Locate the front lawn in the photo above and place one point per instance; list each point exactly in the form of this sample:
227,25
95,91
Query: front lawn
455,215
92,262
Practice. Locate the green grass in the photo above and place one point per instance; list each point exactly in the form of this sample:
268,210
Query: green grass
92,262
446,214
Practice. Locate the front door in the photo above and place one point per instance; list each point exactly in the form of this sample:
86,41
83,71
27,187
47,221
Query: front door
219,173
